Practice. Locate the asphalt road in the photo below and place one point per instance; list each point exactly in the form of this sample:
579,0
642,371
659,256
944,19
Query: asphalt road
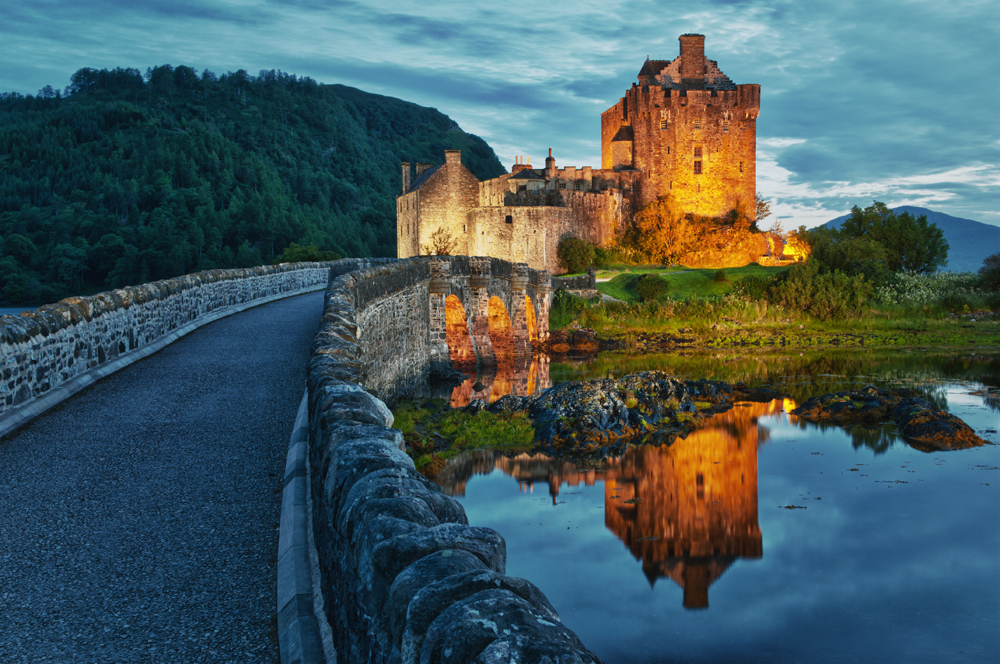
139,519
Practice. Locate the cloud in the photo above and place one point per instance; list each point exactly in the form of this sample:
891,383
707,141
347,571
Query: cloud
869,94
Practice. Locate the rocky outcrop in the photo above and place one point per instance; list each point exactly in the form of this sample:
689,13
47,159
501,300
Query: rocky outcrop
596,419
921,424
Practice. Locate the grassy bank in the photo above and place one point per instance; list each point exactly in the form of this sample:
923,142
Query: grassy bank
704,308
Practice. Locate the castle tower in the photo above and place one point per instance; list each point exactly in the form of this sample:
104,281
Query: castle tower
690,129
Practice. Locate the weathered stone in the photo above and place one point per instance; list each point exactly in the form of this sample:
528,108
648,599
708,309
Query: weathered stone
434,599
479,624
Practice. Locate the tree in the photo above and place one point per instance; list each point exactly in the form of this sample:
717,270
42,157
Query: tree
763,208
575,254
663,235
442,243
910,243
989,273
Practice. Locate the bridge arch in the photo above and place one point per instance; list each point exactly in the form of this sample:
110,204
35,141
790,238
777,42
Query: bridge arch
500,329
531,319
461,349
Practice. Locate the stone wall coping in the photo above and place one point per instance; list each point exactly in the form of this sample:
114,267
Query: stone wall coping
405,578
15,418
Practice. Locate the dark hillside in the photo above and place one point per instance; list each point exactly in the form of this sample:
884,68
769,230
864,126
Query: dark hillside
127,178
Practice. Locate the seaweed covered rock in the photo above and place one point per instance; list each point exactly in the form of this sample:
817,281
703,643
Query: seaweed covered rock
599,418
920,423
929,429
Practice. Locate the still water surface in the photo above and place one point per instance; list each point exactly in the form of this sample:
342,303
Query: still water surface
690,553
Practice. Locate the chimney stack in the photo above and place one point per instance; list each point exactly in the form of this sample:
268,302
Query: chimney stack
423,166
453,156
692,56
550,165
406,176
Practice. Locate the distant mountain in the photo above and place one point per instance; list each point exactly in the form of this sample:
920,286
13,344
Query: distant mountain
969,242
129,178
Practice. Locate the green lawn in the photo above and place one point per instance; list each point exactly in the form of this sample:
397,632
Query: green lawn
685,283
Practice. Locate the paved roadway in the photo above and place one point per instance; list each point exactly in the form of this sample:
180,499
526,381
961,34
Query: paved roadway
139,519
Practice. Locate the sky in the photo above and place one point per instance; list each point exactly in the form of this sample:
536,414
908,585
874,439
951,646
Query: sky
861,100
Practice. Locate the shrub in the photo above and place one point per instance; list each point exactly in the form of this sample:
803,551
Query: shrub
565,308
720,277
650,286
989,273
826,296
754,286
911,288
575,254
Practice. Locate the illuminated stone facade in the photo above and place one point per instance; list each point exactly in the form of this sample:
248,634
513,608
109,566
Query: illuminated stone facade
690,130
684,131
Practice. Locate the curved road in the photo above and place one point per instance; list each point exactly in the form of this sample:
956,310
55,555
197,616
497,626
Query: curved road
139,519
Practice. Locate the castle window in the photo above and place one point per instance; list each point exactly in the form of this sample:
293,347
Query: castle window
697,153
522,187
725,126
697,167
697,123
668,149
741,167
663,123
509,219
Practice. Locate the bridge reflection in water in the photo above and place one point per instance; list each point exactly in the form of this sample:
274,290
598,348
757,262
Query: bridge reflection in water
687,511
522,376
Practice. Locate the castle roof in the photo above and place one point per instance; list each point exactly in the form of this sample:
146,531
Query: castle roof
422,178
527,174
653,67
624,134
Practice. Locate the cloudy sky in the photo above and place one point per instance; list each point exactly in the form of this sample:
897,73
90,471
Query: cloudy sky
894,100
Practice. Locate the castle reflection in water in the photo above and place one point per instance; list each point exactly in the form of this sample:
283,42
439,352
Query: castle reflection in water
687,511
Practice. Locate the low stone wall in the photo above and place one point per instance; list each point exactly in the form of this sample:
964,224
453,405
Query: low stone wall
44,349
583,282
405,577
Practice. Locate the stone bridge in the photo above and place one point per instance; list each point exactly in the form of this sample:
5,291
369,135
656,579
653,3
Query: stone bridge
149,491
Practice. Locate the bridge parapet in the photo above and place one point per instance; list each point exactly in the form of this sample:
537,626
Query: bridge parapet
52,352
405,577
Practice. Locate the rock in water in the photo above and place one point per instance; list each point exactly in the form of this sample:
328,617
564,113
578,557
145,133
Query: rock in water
921,424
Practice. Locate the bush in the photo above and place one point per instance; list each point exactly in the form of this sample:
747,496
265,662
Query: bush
826,296
754,286
650,286
575,254
565,308
911,288
720,277
989,274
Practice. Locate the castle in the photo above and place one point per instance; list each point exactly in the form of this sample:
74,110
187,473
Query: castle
685,132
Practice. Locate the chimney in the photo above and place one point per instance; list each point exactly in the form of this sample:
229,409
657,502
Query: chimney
550,165
453,156
406,176
692,56
520,165
423,166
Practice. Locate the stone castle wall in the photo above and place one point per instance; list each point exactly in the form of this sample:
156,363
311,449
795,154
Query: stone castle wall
44,349
406,578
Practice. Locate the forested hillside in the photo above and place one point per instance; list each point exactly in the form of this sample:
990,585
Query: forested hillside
125,178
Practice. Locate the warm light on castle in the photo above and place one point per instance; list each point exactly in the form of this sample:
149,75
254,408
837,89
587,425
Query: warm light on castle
684,131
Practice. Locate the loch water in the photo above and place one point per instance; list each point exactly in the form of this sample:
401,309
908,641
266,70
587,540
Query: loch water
761,538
